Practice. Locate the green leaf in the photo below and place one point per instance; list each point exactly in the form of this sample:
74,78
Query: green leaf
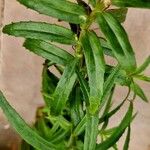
132,3
60,9
49,83
84,86
143,66
95,63
42,128
80,127
48,51
76,106
109,83
126,144
91,132
120,13
118,40
111,113
42,31
22,128
118,132
59,136
106,47
142,77
138,91
109,102
93,2
64,87
25,146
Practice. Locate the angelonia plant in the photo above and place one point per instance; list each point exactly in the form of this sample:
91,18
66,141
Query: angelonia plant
78,104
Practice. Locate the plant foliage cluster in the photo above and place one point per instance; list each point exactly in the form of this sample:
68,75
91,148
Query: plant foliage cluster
78,105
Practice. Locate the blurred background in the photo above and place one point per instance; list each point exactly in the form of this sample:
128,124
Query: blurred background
20,74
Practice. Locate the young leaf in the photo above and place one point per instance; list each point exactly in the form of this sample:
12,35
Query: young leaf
118,131
132,3
42,31
142,77
126,144
61,9
143,66
48,51
91,132
138,91
63,88
22,128
111,113
118,40
120,13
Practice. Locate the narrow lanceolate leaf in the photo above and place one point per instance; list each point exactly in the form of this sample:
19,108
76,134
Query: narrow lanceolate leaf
22,128
40,30
142,77
95,63
91,132
64,87
138,91
80,127
118,131
60,9
84,86
76,106
143,66
106,116
127,141
118,40
119,14
49,83
109,83
48,51
95,68
109,102
132,3
106,47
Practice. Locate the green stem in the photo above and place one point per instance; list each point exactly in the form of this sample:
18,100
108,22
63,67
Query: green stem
84,27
